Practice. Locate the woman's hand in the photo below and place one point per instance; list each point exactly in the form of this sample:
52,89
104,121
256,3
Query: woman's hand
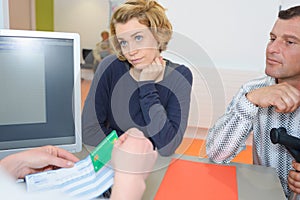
133,158
154,71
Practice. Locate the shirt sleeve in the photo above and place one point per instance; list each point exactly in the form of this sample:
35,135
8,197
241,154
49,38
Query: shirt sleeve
166,124
228,135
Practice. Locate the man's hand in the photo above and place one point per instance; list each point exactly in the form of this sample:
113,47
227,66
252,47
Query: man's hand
294,178
284,97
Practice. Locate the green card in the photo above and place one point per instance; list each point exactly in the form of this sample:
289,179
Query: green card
102,153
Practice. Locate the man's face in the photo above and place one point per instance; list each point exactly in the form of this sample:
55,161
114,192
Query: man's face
104,35
283,50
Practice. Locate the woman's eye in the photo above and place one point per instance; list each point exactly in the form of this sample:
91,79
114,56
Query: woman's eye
138,38
123,43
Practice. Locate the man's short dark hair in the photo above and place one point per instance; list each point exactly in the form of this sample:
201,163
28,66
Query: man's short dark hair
289,13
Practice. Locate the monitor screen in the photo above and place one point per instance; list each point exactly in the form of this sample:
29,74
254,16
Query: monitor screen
40,100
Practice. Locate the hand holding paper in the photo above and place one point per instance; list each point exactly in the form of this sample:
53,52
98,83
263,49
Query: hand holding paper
88,179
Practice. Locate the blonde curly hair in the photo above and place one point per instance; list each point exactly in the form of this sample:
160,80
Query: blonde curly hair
148,13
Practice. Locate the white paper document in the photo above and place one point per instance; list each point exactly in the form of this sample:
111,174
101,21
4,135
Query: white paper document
80,181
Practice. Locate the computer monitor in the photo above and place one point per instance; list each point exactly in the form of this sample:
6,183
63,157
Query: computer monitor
40,100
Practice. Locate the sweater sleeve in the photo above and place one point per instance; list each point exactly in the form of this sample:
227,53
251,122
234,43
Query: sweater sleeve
94,114
228,135
166,124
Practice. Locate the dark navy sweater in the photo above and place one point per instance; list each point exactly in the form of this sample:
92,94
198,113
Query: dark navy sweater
159,109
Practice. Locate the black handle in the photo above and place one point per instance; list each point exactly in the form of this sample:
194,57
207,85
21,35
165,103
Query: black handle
291,143
280,136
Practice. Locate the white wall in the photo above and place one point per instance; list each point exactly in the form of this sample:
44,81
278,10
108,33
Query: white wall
4,14
1,15
223,43
86,17
234,33
285,4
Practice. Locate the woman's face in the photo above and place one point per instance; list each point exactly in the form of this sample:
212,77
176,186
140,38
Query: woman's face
137,43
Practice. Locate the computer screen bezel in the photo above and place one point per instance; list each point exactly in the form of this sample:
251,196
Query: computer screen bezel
76,101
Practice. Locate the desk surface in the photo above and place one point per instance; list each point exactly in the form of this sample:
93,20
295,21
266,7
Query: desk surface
254,182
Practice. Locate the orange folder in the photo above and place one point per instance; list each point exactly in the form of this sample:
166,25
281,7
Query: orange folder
195,180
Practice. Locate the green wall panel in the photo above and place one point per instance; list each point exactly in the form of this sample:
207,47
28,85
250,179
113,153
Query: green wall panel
44,15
